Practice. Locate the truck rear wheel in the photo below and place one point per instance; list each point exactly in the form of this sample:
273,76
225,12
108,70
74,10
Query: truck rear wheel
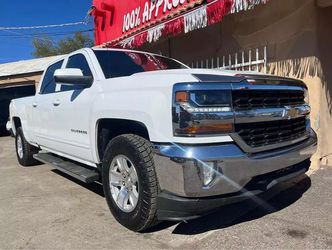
24,151
130,182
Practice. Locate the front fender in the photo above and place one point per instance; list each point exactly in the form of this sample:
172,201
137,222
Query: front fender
150,107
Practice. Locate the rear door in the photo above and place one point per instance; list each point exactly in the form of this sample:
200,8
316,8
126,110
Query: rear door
42,106
72,113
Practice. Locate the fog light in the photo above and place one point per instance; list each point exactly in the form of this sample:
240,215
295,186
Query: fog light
208,170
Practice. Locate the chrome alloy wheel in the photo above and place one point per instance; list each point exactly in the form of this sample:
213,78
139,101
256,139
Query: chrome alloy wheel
19,147
124,183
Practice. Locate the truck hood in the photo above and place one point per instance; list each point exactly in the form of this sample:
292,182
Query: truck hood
167,78
227,76
190,72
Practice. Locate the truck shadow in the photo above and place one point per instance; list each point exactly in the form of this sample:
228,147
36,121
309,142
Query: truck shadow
95,187
280,197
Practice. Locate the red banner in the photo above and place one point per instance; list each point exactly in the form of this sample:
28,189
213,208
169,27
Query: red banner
130,23
115,19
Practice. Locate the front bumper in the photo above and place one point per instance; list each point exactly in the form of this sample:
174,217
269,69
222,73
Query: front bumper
179,175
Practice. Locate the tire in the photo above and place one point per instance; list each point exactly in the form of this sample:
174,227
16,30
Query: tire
24,151
136,152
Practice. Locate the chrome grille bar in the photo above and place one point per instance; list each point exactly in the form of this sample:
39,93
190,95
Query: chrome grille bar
271,114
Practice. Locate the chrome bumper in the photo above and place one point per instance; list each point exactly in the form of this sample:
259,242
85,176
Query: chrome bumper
179,174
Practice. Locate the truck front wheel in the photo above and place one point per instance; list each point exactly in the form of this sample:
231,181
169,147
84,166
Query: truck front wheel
24,151
130,182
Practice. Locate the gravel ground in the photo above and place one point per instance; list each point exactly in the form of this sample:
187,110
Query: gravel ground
40,208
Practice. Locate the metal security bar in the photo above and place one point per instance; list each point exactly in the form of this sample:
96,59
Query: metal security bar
248,60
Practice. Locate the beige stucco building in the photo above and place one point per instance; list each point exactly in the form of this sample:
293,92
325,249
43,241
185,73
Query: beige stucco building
19,79
26,72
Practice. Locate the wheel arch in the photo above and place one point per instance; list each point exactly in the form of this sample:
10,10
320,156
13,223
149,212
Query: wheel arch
108,128
16,124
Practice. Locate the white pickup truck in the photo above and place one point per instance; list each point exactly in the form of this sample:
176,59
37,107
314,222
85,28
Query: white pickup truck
166,141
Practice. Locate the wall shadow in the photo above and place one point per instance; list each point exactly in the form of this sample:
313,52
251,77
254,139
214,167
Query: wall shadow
324,42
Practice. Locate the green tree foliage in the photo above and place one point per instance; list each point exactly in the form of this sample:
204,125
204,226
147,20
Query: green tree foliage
47,47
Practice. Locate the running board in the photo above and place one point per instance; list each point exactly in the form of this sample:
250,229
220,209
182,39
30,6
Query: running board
68,167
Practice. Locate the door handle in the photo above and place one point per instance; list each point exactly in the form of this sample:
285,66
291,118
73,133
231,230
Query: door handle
56,103
35,105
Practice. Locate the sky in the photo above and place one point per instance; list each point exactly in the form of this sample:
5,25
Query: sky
17,44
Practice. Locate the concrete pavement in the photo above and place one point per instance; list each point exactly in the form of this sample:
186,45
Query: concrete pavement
41,208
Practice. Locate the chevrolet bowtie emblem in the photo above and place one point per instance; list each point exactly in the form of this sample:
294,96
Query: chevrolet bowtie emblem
290,113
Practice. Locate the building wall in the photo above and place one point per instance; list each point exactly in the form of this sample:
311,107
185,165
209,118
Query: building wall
15,80
299,39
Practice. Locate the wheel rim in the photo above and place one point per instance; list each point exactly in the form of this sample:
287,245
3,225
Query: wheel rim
19,147
124,183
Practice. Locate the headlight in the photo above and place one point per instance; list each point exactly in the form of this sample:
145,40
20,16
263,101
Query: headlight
202,112
211,98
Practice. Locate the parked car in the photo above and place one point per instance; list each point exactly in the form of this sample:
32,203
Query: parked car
6,95
167,141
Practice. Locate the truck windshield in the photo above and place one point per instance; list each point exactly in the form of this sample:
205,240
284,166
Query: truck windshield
125,63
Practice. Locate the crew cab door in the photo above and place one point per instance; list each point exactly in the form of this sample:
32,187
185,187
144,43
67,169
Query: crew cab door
72,105
42,107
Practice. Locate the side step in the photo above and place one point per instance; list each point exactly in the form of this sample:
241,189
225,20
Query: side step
68,167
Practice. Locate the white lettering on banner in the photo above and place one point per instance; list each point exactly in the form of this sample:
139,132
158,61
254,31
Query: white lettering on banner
167,6
159,3
176,3
138,20
152,7
146,13
195,20
133,19
155,33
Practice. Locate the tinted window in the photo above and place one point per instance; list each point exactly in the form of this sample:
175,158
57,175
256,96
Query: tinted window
121,63
48,84
77,62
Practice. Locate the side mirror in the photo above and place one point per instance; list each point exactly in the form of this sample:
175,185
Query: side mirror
72,77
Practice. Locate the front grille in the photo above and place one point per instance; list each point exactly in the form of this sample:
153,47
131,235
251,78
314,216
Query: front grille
249,99
268,133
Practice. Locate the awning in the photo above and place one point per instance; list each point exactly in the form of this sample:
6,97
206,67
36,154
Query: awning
131,23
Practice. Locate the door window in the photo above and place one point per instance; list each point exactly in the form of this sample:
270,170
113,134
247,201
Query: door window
77,61
48,84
